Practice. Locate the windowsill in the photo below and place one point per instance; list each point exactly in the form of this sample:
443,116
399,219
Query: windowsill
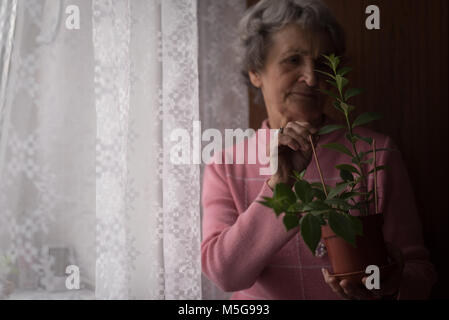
81,294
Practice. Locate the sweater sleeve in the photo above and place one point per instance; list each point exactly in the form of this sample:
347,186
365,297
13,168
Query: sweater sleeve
402,227
237,246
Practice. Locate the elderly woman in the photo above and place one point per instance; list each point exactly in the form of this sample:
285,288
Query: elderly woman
246,248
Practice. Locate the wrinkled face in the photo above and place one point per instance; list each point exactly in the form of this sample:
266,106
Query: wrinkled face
288,81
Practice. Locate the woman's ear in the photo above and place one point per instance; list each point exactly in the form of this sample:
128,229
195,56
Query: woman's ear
254,77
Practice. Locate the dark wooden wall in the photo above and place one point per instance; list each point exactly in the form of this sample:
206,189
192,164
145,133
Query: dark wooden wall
403,68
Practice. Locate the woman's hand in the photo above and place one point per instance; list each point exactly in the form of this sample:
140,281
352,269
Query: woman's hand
388,287
293,151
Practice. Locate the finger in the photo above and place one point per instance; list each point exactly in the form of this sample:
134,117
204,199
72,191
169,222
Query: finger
286,140
302,128
296,133
333,284
306,132
299,134
357,291
354,291
308,126
347,289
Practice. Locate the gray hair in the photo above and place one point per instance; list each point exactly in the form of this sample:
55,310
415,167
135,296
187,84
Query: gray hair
265,18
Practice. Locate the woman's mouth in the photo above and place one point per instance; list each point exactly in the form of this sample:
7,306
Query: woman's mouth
304,94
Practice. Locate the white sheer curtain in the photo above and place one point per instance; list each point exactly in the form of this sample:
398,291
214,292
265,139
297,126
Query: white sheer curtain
85,123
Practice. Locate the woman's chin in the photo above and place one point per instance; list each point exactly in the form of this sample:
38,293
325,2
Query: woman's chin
306,111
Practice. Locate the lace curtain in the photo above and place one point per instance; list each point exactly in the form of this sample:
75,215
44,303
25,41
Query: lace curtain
86,117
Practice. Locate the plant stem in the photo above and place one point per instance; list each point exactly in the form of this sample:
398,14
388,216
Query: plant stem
318,165
358,160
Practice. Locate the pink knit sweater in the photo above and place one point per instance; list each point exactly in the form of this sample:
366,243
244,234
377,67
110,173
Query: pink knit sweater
247,250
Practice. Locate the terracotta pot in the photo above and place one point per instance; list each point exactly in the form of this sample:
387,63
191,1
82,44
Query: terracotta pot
350,262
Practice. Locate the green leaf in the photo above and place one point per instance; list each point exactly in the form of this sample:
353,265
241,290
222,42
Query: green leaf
319,194
363,154
336,190
327,63
303,191
357,181
295,208
380,149
318,213
321,218
319,185
333,83
358,206
283,191
350,194
283,198
341,82
317,205
329,93
354,159
338,147
347,167
357,225
311,231
343,226
335,61
366,118
346,175
298,176
325,73
344,71
366,139
330,128
378,168
369,161
336,105
350,138
327,60
351,92
268,202
339,202
276,205
291,221
346,107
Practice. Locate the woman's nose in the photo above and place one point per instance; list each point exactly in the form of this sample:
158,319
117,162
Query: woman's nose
309,75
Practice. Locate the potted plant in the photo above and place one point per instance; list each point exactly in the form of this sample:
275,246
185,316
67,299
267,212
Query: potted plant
327,213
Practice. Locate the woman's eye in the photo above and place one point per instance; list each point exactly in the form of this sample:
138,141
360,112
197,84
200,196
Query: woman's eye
293,60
